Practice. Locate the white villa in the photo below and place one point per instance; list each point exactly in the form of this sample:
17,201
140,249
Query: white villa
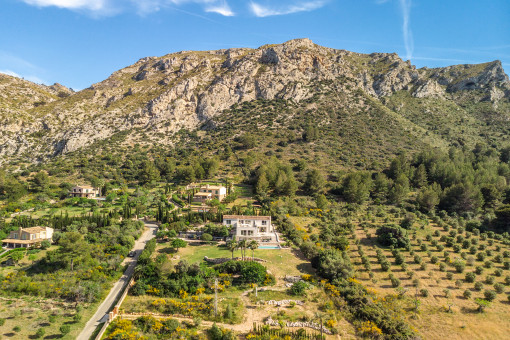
85,191
251,227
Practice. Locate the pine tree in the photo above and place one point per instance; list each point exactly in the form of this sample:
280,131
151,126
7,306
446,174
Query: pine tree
262,184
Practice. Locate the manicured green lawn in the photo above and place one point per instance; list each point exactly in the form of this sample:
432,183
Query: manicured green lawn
280,262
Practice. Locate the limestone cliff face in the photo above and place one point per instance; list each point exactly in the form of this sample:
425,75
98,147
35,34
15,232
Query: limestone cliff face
470,77
161,95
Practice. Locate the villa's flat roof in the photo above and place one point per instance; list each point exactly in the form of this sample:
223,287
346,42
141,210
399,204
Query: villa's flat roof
215,187
243,217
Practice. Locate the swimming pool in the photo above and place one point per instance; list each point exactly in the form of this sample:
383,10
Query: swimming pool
269,247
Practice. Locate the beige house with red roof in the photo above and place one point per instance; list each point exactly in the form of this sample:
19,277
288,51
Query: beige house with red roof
85,191
28,237
251,227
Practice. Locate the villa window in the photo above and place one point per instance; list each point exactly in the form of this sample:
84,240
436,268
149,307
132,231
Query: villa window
228,222
264,222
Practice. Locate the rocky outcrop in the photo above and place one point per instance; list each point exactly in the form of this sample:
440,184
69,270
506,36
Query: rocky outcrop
60,90
471,77
428,88
162,95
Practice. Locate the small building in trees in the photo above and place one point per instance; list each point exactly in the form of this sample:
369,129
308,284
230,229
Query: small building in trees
85,191
251,227
209,192
28,237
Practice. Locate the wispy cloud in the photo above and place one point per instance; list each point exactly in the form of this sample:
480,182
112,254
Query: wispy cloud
221,8
15,62
18,67
405,9
265,11
93,5
31,78
405,6
143,7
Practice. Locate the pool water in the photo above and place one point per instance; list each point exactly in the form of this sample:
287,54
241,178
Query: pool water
269,247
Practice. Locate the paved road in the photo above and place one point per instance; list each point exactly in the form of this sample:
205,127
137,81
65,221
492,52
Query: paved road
108,302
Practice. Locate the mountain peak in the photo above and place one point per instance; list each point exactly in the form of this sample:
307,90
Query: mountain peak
185,89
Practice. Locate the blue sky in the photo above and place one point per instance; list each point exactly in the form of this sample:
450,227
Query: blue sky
81,42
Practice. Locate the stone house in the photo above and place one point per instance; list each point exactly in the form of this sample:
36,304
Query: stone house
28,237
209,192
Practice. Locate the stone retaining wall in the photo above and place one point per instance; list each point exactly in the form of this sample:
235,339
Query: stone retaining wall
300,324
283,302
292,279
219,260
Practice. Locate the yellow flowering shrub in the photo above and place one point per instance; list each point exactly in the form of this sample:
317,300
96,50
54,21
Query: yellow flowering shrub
123,329
158,302
331,323
369,329
306,277
183,294
153,291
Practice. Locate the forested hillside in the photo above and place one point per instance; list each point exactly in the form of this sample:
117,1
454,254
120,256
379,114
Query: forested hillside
389,185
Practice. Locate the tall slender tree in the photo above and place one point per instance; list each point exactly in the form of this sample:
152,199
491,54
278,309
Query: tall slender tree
232,245
253,244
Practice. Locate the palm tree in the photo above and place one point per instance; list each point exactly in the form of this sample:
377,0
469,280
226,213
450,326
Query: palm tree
232,245
242,245
253,245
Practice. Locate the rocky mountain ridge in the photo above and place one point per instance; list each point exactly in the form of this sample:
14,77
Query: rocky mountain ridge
162,95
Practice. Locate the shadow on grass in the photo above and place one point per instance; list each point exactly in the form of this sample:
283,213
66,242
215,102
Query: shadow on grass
305,268
9,335
167,250
297,253
468,310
